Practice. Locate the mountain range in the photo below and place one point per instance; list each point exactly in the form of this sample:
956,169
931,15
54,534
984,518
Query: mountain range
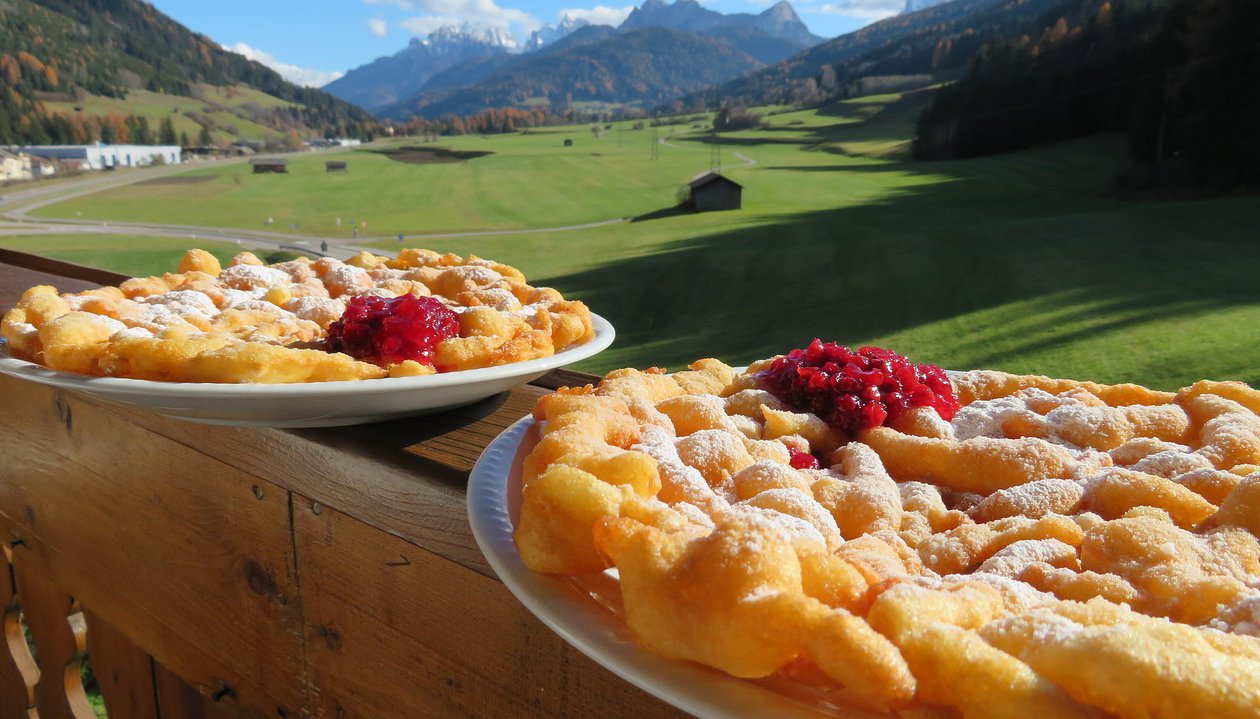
387,80
659,49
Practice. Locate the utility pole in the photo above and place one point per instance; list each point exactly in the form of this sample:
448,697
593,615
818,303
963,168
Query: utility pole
656,143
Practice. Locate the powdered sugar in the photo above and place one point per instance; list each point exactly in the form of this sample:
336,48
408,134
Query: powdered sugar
342,279
232,297
249,277
988,418
501,299
1169,463
679,481
1014,558
132,333
479,275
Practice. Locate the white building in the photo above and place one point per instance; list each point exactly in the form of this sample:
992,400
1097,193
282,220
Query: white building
334,142
99,156
43,167
14,166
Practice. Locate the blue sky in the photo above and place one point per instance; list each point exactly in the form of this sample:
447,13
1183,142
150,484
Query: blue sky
313,43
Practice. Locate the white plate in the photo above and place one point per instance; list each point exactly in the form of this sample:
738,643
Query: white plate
586,615
312,404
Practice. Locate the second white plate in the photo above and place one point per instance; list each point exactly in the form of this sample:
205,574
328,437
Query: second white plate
494,492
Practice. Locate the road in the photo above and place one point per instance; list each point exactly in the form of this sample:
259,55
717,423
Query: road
17,206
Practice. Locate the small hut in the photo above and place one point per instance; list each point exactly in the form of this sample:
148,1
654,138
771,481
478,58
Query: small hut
568,142
263,165
712,191
336,166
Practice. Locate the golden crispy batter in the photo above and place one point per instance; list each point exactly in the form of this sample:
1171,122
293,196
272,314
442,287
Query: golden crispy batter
980,464
1060,549
988,384
249,313
1140,667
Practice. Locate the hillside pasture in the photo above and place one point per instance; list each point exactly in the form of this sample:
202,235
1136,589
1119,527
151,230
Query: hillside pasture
221,106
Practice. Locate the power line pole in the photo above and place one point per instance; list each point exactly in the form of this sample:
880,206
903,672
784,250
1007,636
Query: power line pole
656,143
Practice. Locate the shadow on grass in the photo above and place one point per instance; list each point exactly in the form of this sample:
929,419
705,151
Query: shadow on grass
933,252
661,214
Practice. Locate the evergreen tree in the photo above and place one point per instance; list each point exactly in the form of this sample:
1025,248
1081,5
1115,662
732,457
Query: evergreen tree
203,138
166,132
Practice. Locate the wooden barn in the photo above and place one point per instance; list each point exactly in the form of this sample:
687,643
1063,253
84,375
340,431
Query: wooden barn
263,165
336,166
712,191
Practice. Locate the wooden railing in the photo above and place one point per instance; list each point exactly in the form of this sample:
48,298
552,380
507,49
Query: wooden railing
228,572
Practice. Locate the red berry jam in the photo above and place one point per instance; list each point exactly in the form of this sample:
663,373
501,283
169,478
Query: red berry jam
803,460
388,331
853,391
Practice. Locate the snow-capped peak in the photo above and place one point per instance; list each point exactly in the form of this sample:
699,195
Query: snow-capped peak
465,33
547,34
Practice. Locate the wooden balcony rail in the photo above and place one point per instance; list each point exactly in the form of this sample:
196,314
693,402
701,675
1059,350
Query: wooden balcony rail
228,572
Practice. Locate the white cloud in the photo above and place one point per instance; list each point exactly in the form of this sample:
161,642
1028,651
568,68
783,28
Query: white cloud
377,27
426,24
298,75
864,9
599,15
484,13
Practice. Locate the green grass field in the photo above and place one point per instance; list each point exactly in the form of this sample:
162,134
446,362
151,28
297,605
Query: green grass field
1020,262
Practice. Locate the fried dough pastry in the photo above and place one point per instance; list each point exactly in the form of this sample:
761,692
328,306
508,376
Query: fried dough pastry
250,322
1055,549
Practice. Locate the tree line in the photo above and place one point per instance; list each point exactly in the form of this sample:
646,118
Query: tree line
1176,77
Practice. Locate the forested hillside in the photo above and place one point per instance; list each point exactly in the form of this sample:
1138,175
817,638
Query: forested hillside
69,50
900,51
1077,72
1179,77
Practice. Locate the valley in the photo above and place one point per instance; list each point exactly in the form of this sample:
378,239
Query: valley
1020,262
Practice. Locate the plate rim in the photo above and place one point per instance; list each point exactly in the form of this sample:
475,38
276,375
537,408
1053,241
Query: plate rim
12,366
701,691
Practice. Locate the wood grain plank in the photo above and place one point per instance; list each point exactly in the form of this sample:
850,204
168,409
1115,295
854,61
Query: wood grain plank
60,642
187,556
177,699
382,474
124,672
61,268
16,280
557,378
456,439
396,631
18,672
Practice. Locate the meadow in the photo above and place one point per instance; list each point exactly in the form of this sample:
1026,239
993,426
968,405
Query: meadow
1023,262
156,105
